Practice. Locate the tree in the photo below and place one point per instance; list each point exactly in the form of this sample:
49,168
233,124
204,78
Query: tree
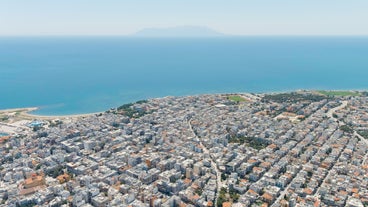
38,166
56,171
346,128
234,195
223,176
222,197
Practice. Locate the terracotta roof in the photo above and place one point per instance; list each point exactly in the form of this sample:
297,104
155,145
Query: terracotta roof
226,204
343,192
63,178
288,175
187,181
2,139
272,146
195,186
243,181
267,196
252,192
252,161
195,197
325,165
308,191
356,195
33,178
265,164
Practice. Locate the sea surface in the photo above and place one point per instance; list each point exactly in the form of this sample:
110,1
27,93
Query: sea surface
74,75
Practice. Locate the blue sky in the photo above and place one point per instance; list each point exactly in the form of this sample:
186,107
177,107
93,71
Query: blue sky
237,17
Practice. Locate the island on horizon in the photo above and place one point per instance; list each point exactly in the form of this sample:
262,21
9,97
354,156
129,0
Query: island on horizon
178,31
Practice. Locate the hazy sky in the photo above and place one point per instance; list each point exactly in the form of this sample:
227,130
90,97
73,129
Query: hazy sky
238,17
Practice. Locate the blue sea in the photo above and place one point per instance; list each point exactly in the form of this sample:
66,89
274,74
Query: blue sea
73,75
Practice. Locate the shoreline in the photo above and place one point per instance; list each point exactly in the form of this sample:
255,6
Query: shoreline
26,111
26,114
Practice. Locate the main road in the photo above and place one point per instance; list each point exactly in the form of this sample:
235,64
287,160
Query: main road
213,163
333,110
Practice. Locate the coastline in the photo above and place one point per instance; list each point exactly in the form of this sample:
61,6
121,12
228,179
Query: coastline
48,117
25,113
15,121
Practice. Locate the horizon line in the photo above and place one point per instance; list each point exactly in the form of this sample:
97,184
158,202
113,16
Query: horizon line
188,36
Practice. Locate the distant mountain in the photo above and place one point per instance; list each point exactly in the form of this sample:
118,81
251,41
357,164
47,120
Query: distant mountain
182,31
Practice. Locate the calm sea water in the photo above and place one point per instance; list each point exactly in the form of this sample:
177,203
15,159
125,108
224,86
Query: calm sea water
70,75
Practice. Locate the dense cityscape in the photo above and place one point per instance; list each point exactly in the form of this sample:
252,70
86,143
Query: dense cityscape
285,149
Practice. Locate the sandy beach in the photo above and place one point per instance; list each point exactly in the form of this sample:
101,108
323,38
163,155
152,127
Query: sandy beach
13,121
25,114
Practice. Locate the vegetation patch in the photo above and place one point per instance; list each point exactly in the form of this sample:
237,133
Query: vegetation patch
236,98
4,118
131,111
141,102
234,195
199,191
225,196
293,97
346,128
340,93
254,142
363,133
223,176
56,171
222,197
